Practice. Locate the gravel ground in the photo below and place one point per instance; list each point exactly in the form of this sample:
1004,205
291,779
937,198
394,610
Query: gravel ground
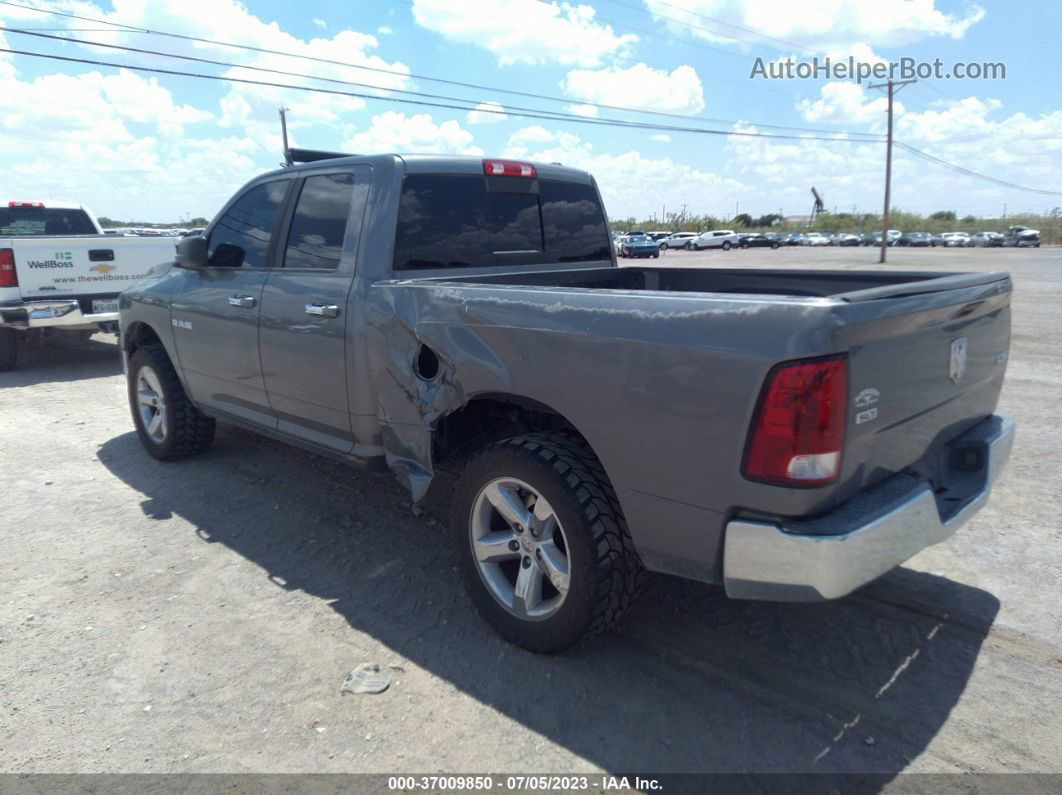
201,616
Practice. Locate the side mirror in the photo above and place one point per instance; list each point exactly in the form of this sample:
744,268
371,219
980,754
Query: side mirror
192,253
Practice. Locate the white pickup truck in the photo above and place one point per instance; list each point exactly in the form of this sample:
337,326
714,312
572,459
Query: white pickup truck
58,271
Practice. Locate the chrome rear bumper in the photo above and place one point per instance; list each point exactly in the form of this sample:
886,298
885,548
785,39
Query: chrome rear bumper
763,560
40,314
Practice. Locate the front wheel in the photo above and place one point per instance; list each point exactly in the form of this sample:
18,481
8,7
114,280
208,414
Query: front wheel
167,422
776,245
542,544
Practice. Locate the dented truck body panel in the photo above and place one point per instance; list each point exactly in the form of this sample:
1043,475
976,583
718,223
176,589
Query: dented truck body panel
658,369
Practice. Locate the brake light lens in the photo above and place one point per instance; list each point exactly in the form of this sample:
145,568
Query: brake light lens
8,274
798,432
24,205
508,168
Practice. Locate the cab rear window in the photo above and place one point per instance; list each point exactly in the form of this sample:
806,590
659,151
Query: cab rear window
468,221
28,221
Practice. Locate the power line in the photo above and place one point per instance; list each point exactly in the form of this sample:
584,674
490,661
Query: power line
227,64
334,62
547,115
978,175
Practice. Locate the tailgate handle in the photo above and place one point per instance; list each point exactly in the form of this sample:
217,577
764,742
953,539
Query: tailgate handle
101,255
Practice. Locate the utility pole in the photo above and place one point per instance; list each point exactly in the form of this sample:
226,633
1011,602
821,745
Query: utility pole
284,133
892,87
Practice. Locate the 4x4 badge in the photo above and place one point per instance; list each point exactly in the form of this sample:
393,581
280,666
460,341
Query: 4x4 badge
957,366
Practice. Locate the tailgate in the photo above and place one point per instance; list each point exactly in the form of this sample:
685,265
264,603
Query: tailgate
926,363
53,266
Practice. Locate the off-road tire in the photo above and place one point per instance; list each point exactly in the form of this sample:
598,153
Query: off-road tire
8,349
189,432
604,569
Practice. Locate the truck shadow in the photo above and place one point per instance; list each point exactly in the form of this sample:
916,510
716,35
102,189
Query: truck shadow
64,357
690,681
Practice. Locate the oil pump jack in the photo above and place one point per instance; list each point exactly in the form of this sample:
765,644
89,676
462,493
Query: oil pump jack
816,208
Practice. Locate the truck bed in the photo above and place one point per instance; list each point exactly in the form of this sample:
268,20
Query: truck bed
670,363
844,285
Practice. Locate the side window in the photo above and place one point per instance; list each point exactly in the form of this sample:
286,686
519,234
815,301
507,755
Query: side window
320,222
241,237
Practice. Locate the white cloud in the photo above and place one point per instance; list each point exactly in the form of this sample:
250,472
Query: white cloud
319,22
396,132
589,111
661,137
252,108
383,30
640,85
847,103
525,31
630,182
815,23
486,113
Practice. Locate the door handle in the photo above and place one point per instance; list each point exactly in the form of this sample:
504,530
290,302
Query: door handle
322,310
242,301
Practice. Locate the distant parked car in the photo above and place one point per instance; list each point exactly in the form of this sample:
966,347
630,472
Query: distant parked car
639,246
815,239
677,240
955,239
794,239
1022,236
986,239
719,238
846,239
758,241
658,236
914,239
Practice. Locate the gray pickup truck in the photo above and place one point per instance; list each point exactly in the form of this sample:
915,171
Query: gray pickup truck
790,435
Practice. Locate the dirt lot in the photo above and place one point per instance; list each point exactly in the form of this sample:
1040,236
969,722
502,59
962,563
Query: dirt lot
201,616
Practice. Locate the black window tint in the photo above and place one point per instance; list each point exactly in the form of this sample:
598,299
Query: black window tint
24,221
574,222
320,222
455,221
241,237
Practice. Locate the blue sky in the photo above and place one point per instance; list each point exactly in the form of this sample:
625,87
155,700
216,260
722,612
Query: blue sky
155,147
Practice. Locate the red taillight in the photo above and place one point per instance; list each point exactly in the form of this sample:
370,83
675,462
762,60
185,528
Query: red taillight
23,205
508,168
8,274
798,432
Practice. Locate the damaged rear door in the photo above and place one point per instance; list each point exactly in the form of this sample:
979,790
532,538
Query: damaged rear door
304,320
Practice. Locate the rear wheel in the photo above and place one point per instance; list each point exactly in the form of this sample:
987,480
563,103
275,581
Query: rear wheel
776,245
168,424
8,349
689,246
542,543
727,246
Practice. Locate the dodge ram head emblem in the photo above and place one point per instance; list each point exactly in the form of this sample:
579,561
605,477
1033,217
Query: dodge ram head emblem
958,359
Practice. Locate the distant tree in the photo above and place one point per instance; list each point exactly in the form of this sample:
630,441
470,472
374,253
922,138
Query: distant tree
969,219
198,221
106,222
768,220
943,215
743,219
